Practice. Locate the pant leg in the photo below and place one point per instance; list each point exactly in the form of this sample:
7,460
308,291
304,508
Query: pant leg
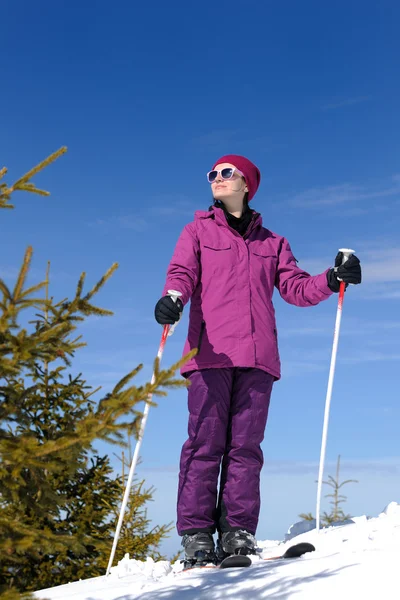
239,497
209,397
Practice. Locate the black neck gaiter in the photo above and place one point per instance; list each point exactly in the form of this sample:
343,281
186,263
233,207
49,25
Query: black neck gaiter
239,224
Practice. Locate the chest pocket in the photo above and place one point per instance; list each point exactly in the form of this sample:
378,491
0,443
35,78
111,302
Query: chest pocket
217,254
263,251
264,263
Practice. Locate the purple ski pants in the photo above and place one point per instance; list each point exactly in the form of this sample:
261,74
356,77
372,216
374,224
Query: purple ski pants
228,410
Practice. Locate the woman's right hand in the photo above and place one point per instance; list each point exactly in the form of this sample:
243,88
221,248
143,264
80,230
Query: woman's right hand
168,312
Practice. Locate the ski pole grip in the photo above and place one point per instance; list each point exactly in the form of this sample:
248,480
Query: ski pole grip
174,295
347,252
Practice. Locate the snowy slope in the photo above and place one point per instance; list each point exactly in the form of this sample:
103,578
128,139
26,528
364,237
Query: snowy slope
354,561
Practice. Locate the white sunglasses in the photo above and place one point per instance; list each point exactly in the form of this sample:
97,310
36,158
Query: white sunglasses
226,173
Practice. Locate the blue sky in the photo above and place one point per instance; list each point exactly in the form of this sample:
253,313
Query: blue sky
146,98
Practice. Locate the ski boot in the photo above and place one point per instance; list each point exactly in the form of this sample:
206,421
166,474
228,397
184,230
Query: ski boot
199,550
235,542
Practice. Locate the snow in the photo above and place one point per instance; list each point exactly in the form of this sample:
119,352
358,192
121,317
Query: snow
357,560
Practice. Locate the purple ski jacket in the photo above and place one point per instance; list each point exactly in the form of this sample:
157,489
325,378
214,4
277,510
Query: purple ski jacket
230,281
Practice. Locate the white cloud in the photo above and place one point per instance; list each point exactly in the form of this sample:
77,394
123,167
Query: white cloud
345,193
36,275
161,206
346,102
293,368
314,266
376,272
389,295
288,332
165,205
364,356
380,265
132,222
220,140
353,327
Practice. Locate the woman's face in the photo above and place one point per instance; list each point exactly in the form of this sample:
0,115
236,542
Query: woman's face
228,188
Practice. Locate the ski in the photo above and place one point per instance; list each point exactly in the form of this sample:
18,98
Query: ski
235,560
243,561
296,551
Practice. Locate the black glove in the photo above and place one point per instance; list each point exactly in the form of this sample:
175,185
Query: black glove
349,272
168,312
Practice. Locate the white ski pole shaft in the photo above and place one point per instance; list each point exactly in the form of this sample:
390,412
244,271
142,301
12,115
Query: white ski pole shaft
166,331
346,253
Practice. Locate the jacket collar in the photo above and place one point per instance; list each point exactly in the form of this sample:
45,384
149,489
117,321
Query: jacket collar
218,215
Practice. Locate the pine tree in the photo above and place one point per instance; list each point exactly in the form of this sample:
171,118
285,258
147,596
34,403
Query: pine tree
337,514
58,498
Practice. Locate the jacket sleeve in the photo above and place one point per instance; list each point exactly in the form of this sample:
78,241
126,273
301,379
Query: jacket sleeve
297,286
184,269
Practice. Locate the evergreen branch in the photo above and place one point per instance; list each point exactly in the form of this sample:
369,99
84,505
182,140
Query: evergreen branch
4,192
80,285
60,304
156,368
306,516
23,183
90,310
101,425
338,500
45,163
348,481
176,366
55,331
102,281
29,187
23,273
122,383
330,495
92,392
330,481
32,290
5,291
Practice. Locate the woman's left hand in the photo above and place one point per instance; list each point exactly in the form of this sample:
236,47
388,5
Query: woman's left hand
349,272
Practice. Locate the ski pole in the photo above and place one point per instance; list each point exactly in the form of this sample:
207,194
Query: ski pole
346,254
167,331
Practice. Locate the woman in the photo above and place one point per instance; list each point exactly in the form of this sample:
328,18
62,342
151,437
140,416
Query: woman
227,263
